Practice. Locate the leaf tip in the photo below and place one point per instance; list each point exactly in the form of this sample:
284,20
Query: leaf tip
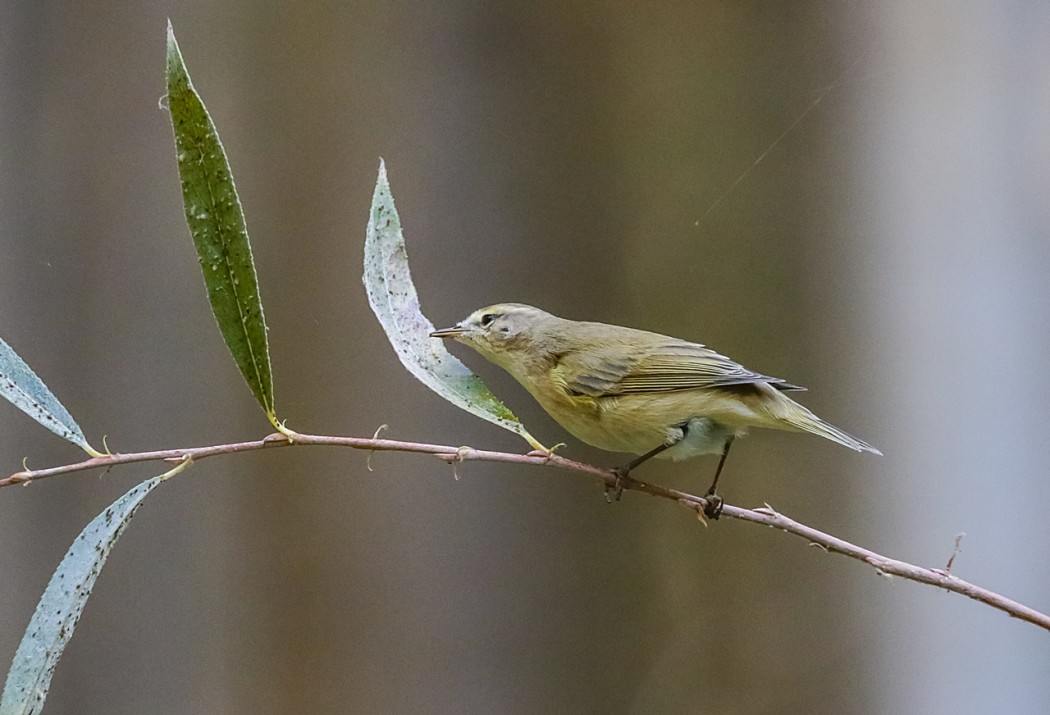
381,195
175,64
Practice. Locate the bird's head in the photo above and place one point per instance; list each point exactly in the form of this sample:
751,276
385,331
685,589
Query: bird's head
502,333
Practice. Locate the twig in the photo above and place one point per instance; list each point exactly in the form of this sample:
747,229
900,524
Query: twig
765,516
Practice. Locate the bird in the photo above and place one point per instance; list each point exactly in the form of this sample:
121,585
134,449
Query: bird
626,390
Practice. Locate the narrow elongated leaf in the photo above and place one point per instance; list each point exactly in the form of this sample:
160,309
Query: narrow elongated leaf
216,221
63,601
395,302
20,385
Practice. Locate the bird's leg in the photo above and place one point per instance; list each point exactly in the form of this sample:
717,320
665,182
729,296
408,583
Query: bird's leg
621,472
613,494
714,502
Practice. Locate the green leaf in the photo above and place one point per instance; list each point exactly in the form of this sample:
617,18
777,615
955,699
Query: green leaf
216,221
63,601
20,385
394,300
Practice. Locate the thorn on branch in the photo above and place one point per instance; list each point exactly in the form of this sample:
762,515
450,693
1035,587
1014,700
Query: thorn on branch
547,454
767,510
368,462
454,459
289,433
461,456
701,517
955,552
874,563
699,509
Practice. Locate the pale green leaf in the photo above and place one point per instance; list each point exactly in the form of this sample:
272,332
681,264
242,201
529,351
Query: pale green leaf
393,298
216,221
20,385
63,601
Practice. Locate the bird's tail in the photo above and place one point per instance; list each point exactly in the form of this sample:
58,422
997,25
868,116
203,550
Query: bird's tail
805,421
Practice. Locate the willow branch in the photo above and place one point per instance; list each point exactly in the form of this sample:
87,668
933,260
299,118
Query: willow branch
766,516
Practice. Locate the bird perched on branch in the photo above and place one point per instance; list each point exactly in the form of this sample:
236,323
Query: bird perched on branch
627,390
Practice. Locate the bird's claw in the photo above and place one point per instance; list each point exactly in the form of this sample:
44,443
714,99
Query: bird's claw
614,491
713,510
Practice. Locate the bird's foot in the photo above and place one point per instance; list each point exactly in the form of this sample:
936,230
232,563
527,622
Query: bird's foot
614,491
713,510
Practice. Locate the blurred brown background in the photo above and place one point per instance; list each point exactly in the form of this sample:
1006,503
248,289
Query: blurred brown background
890,252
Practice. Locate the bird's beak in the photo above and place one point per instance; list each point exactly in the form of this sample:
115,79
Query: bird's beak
453,332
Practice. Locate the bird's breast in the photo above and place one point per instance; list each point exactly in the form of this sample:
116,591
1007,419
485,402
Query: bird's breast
638,423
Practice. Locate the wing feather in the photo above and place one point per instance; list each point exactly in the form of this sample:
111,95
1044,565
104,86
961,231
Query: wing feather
603,370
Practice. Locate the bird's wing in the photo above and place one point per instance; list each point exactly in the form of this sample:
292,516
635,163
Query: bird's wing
675,365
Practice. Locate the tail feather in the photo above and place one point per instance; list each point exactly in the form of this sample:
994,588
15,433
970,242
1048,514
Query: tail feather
805,421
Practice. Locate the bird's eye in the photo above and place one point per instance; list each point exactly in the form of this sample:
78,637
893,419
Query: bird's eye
486,319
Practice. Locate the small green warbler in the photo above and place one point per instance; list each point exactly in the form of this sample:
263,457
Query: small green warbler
627,390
